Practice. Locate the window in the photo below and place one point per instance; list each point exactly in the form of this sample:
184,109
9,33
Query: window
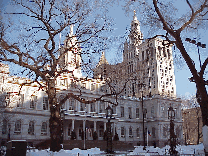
178,132
92,107
80,132
130,113
44,128
17,129
168,52
175,113
164,52
31,128
71,104
122,132
159,48
4,126
114,109
82,106
145,113
45,103
137,133
101,133
122,111
61,97
137,112
102,107
20,100
162,111
130,132
153,132
4,100
33,101
152,111
69,131
92,86
142,55
165,131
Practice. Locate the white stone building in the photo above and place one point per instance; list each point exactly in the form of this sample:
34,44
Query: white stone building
25,112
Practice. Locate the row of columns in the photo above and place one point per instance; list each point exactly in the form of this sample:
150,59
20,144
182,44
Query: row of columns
95,125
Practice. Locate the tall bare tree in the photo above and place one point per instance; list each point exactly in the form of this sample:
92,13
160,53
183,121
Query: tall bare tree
163,15
30,38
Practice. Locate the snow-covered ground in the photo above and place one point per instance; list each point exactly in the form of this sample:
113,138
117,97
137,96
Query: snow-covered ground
190,149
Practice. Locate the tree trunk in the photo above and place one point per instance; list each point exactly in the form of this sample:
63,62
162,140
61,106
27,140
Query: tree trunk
55,122
202,99
198,130
201,89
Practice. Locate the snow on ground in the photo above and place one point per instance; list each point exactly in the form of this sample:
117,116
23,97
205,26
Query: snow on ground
150,150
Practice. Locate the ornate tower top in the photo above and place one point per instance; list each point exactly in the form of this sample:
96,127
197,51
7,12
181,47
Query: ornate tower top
135,34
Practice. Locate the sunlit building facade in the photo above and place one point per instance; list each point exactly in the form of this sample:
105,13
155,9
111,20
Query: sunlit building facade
25,109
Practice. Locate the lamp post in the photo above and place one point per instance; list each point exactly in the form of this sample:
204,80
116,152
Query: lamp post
143,114
9,126
171,116
109,112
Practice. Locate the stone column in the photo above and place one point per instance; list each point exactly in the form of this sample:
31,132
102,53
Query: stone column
114,128
72,124
95,126
84,121
104,126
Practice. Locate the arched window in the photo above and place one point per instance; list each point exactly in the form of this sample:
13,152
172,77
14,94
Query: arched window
44,128
72,105
137,133
31,128
61,97
33,101
92,107
122,131
102,107
17,129
45,103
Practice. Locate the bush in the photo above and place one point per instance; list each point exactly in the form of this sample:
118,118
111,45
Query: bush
116,138
43,145
73,135
95,136
105,135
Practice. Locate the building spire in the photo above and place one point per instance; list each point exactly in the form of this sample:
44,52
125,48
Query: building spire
103,60
135,18
71,29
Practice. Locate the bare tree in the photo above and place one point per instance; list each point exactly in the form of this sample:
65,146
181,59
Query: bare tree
30,39
162,15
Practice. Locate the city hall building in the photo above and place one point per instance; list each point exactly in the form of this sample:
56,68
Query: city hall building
146,76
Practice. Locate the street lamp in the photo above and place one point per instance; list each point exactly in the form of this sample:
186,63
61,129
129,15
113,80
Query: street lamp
171,116
9,126
109,112
198,44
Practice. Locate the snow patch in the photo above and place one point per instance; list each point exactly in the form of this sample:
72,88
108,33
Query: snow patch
205,137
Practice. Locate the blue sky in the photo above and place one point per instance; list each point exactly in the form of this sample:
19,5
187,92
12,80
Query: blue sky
122,21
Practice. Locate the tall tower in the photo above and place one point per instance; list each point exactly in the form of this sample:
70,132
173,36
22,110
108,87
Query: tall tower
135,35
149,62
72,58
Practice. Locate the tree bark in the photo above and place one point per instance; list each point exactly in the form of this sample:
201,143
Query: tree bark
200,86
55,123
